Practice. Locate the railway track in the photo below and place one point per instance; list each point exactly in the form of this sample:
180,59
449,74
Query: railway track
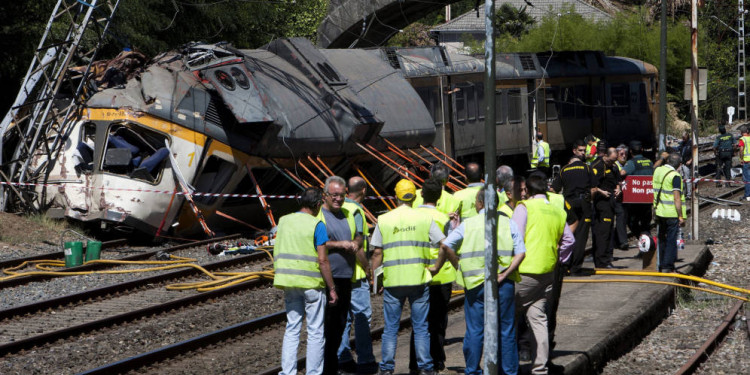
219,344
36,324
101,266
55,254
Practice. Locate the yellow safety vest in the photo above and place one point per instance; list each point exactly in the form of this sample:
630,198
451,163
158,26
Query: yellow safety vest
663,195
447,273
471,252
468,200
535,158
295,257
406,247
545,223
359,271
590,157
446,204
745,155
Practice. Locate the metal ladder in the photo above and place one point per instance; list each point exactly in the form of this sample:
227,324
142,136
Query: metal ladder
741,88
38,123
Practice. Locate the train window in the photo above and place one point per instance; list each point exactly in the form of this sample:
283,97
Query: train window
435,106
567,102
499,108
515,100
84,155
213,178
581,102
460,103
135,152
551,106
620,99
471,103
480,100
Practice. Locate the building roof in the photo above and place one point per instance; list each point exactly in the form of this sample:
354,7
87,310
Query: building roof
469,22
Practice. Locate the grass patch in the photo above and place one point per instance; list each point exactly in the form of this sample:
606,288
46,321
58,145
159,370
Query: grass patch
34,228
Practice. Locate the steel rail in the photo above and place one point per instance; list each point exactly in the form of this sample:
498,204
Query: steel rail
97,266
128,316
711,343
53,255
224,334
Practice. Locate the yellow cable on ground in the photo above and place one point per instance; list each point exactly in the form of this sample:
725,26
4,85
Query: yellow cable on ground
672,274
583,281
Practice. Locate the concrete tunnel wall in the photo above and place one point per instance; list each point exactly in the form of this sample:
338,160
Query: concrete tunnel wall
343,26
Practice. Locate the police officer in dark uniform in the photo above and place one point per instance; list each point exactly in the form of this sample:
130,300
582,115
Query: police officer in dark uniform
606,188
724,150
575,182
639,214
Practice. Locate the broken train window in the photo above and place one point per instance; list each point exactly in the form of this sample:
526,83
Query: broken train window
135,152
213,178
84,152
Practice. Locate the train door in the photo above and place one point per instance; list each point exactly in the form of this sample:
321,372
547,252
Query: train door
221,170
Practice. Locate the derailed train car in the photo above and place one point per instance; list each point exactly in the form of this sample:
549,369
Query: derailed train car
223,121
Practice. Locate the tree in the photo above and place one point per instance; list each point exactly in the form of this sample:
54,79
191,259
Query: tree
512,21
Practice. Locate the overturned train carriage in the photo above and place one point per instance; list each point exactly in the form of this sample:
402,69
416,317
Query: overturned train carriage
226,121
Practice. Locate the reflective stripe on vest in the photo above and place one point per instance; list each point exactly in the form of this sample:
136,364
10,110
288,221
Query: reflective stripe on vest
746,151
359,272
470,272
545,223
663,192
406,247
447,273
446,204
535,158
468,200
295,258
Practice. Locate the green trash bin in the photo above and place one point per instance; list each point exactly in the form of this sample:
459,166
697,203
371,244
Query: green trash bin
93,250
73,253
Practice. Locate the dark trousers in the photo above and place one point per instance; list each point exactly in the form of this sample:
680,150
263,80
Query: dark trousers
639,217
335,322
554,302
668,228
620,231
602,231
724,166
582,210
437,323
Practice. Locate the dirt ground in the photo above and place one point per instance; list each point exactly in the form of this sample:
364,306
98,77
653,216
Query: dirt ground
18,230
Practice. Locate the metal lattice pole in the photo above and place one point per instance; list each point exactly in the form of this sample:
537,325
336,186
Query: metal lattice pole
36,124
741,97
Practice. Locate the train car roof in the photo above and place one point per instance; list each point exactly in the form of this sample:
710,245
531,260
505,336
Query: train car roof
585,63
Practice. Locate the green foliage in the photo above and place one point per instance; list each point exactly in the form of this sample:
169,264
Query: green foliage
416,34
512,21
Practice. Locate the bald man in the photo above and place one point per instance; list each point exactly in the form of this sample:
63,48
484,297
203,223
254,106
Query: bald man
360,311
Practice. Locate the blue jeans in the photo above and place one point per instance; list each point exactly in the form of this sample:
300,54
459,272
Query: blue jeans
746,178
361,312
300,302
474,337
393,301
668,228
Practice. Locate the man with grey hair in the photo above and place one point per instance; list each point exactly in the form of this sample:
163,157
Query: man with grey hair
447,204
345,244
669,208
504,179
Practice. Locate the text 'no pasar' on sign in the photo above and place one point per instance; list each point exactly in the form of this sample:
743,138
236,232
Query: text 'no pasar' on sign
638,189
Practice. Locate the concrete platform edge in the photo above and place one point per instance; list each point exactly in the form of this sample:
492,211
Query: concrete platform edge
629,335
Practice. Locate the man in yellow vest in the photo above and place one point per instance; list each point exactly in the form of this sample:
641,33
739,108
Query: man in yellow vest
548,241
744,146
591,148
464,248
669,207
360,312
302,270
540,159
402,240
447,203
467,196
441,285
345,247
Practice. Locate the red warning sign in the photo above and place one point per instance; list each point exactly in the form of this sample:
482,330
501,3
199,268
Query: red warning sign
637,189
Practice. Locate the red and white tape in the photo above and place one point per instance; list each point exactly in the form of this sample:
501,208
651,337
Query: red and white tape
194,194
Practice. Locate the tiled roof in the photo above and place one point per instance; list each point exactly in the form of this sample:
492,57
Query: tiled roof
470,22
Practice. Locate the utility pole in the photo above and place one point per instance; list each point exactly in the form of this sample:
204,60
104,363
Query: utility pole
490,194
741,98
663,79
694,108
